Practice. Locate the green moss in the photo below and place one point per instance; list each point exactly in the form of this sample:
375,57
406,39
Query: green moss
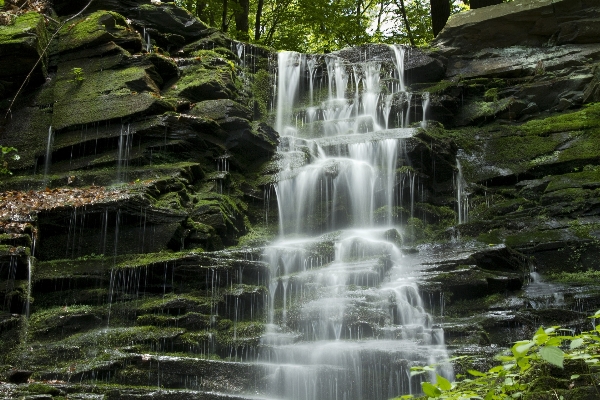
491,94
589,277
584,230
199,83
568,195
92,30
533,237
47,319
40,388
584,119
439,87
169,301
256,236
239,333
261,91
23,43
516,151
105,95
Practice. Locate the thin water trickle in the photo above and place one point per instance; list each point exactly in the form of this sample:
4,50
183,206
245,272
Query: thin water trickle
48,159
124,151
337,273
29,273
425,105
462,196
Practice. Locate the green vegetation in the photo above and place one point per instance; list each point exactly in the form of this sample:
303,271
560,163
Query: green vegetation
325,26
551,363
77,75
5,156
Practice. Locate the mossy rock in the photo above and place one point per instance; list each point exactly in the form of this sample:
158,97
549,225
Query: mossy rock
165,66
21,45
96,29
478,111
168,18
104,96
221,110
199,84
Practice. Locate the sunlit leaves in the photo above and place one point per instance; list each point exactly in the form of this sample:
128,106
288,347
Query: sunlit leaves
512,378
431,390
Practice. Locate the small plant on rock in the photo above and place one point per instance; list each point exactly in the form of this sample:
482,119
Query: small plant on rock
77,75
5,156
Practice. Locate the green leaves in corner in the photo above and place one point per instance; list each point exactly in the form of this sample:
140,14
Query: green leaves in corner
431,390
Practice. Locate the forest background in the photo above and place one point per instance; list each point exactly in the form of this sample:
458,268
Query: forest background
321,26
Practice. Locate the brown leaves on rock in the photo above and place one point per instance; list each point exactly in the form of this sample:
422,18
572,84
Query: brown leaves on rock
19,207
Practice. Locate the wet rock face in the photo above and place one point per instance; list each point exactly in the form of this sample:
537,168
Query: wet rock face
21,44
529,23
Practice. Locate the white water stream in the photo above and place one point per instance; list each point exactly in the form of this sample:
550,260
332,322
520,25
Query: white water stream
346,319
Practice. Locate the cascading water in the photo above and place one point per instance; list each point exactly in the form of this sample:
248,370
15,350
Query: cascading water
345,316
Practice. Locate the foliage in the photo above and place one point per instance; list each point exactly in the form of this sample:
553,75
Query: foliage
5,156
324,25
77,75
527,361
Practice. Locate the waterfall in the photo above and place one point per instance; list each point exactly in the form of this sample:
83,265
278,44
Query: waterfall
399,63
338,192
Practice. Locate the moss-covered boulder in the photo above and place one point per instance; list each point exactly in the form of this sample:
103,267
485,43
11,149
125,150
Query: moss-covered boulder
98,28
104,95
22,44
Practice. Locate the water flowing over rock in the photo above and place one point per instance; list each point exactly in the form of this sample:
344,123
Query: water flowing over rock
347,280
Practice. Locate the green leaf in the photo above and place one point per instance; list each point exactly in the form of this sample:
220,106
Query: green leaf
430,390
540,331
523,363
574,376
553,355
443,383
523,348
540,339
576,343
554,341
475,372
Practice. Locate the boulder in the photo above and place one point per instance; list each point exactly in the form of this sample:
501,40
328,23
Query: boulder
96,29
522,22
199,83
22,44
221,110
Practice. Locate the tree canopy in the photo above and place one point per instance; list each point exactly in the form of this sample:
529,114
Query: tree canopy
329,25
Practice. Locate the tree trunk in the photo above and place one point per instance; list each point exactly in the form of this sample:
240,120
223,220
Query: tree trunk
440,12
224,17
484,3
242,26
405,18
259,8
